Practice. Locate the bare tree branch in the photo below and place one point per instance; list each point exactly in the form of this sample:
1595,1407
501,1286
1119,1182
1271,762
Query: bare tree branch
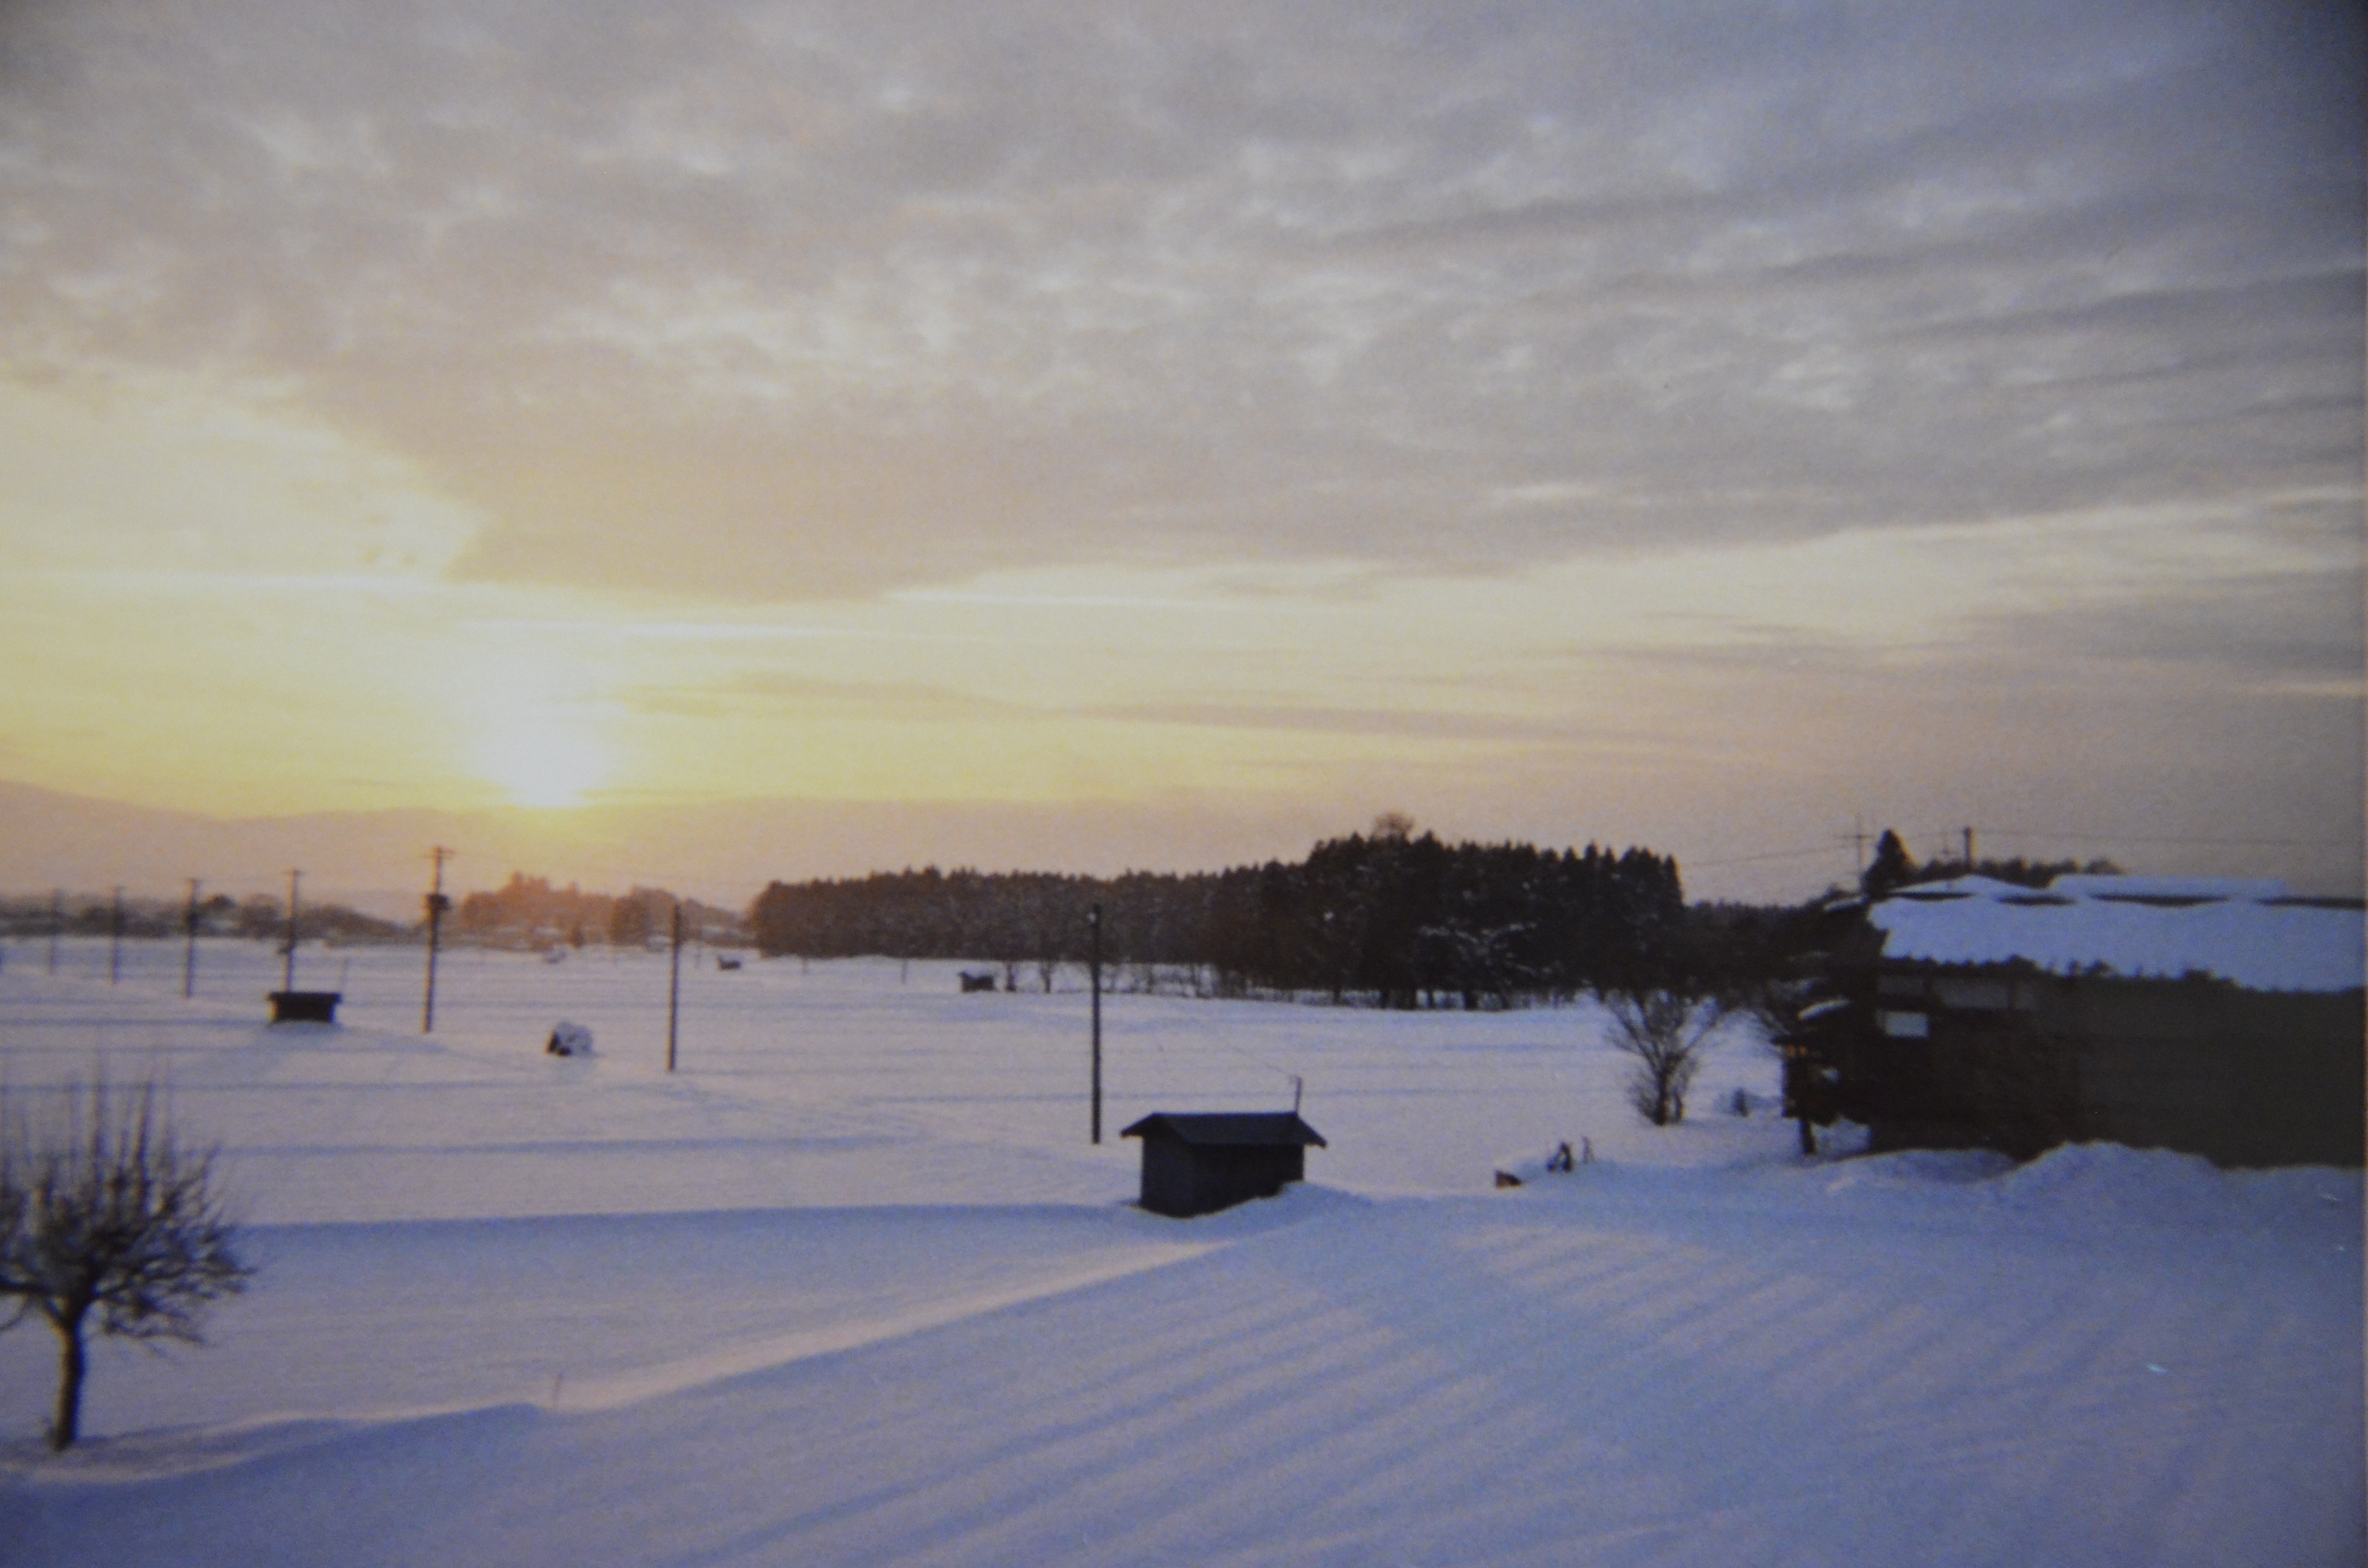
1667,1030
107,1222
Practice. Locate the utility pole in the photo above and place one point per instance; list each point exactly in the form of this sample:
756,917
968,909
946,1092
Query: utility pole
437,904
57,924
674,983
1969,849
288,973
1094,969
189,955
115,942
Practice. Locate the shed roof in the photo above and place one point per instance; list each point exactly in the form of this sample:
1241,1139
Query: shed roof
1224,1127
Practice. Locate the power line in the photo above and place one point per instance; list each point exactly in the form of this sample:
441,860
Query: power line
1758,859
2064,836
2168,838
1961,832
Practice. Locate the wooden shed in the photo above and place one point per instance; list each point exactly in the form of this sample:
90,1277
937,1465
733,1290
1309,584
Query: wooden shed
305,1007
1199,1164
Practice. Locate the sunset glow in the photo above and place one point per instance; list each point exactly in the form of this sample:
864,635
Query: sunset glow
1207,436
544,760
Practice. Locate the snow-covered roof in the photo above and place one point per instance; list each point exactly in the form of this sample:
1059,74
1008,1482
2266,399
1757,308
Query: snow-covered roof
1234,1128
2258,890
2243,930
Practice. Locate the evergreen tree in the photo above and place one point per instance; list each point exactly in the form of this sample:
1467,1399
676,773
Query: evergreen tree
1893,869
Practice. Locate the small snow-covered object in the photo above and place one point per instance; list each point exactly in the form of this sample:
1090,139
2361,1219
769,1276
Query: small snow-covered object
1561,1160
569,1040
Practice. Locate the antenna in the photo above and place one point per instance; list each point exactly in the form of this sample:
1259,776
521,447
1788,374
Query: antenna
1297,1084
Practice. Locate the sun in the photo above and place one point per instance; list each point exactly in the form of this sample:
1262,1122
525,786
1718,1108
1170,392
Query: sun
544,759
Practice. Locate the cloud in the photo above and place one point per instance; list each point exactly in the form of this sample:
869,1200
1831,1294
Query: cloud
2294,629
759,303
749,695
1449,727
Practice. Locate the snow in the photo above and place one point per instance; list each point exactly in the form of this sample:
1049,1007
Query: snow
851,1286
2240,930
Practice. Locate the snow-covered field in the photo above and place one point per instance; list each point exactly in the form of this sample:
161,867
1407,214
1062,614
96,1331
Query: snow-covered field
851,1286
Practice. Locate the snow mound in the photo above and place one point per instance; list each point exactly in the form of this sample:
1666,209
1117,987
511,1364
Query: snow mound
2114,1175
2087,1185
1298,1202
262,1444
2159,1186
1917,1168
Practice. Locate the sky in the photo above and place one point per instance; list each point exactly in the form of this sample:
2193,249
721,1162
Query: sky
1729,429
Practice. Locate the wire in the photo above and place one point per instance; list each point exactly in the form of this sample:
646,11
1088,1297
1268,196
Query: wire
2158,838
1757,859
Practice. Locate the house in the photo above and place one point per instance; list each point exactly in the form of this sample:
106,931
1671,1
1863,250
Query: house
2218,1016
1201,1162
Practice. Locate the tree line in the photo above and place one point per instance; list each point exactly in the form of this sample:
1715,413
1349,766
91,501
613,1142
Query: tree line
1386,918
260,916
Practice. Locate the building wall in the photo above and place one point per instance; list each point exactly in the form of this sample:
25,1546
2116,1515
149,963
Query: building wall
1923,1072
2247,1077
1182,1179
2008,1058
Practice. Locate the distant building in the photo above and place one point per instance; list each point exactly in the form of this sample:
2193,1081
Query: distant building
1199,1164
304,1006
2218,1017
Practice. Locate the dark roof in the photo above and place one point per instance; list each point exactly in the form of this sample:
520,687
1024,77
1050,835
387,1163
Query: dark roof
1258,1126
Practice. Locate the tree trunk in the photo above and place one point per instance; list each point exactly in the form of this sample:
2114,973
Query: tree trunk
73,1364
1668,1107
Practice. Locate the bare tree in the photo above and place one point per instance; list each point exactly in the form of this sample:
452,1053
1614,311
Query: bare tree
107,1223
1667,1029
